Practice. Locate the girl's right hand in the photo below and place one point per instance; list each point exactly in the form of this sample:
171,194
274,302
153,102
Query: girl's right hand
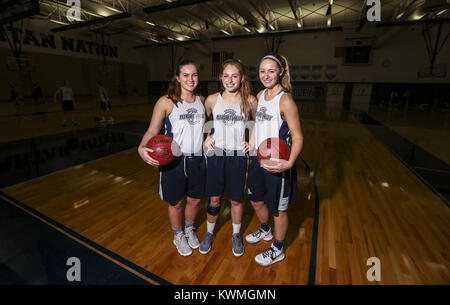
210,143
144,154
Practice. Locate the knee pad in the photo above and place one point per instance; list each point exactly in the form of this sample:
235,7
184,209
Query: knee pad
213,211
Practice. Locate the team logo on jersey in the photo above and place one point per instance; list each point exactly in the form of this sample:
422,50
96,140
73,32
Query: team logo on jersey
192,116
262,116
229,117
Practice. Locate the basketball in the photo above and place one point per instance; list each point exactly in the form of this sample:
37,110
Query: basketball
162,149
273,148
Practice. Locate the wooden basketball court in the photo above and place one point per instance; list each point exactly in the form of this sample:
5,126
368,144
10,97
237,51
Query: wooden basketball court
372,178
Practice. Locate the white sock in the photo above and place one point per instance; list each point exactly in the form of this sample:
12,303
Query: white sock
210,226
236,228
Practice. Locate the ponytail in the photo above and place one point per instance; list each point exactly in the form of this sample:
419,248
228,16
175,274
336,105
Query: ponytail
286,77
245,96
174,90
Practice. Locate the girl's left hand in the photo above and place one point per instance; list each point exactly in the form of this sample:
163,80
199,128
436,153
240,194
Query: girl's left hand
276,166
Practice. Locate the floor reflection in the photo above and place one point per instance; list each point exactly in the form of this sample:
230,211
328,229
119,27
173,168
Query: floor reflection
30,158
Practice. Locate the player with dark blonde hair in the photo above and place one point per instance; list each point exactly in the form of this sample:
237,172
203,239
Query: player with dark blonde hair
275,181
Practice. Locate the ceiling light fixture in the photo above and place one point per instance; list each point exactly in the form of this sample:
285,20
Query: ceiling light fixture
113,9
400,15
58,22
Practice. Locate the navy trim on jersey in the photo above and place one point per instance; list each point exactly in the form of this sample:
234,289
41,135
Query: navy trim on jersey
284,131
168,127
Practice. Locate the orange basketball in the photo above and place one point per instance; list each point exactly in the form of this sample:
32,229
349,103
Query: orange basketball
273,148
163,148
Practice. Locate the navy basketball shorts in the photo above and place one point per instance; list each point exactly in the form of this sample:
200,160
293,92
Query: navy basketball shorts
186,175
226,171
278,189
67,105
105,105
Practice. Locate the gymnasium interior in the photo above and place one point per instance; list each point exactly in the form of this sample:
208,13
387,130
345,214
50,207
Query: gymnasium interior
371,83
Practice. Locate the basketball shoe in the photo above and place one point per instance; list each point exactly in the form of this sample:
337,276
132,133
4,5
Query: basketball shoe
182,245
191,237
258,235
270,256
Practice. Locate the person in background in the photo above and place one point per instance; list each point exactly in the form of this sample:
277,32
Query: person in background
66,97
105,104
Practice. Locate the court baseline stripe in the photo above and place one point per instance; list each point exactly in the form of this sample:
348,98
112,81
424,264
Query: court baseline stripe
4,200
315,234
126,264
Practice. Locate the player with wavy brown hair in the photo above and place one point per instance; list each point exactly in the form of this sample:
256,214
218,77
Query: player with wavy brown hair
227,151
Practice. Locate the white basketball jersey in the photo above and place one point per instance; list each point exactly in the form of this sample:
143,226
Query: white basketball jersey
67,94
185,125
269,122
229,125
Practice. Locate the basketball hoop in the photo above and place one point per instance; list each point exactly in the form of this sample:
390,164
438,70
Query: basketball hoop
21,64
